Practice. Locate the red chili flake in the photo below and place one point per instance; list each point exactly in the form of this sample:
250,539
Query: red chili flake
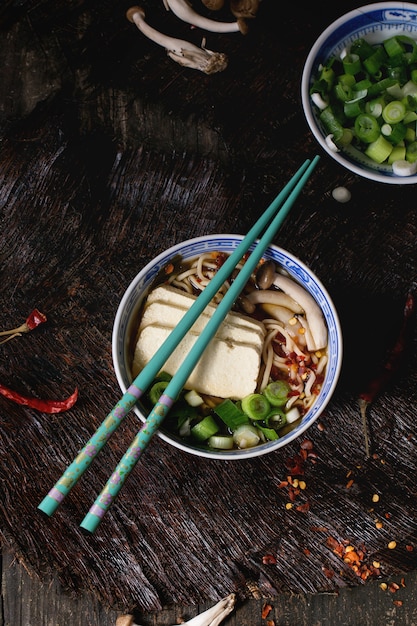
398,602
409,548
266,609
270,622
303,508
169,269
269,559
45,406
34,319
329,573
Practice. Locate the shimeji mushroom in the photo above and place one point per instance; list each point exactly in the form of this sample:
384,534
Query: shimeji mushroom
211,617
183,52
185,12
213,5
267,276
244,9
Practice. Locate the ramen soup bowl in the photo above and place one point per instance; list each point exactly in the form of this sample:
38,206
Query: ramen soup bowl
364,85
131,311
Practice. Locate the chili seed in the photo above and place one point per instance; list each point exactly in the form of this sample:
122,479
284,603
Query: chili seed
375,497
392,545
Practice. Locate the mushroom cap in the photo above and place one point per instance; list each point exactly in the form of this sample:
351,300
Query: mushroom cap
213,5
129,14
266,274
125,620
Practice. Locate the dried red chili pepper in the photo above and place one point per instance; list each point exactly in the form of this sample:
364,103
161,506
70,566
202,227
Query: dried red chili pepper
34,319
389,368
45,406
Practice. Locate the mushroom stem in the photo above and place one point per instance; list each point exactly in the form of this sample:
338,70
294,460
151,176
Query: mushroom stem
215,615
312,310
183,52
211,617
185,12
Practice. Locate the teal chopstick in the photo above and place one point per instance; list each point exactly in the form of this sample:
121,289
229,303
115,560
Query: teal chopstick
165,402
138,387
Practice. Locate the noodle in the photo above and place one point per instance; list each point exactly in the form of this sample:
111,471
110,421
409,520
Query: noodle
284,354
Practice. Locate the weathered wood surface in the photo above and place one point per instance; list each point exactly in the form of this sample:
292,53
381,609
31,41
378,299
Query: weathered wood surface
127,154
28,600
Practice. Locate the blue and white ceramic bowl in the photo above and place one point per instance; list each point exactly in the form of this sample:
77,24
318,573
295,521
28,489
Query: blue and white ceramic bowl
126,319
375,23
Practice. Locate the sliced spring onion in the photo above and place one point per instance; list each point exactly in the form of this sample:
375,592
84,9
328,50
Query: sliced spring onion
231,415
269,434
246,436
205,429
193,398
379,150
404,168
277,392
276,419
157,390
394,112
221,442
256,406
293,415
367,128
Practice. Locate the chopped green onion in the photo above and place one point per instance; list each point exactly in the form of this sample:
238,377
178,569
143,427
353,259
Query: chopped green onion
411,152
230,414
352,64
246,436
193,398
256,406
277,418
379,150
205,429
277,392
157,390
367,128
269,433
394,112
221,442
293,415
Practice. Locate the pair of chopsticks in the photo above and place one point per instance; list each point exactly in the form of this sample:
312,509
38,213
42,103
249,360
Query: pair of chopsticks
282,203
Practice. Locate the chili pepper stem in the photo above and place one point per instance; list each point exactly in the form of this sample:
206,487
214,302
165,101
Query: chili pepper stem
363,405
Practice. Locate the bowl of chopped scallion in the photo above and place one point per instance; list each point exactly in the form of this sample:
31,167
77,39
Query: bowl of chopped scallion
359,91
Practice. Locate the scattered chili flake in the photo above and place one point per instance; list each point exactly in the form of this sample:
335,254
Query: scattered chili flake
169,268
45,406
269,559
398,602
270,622
349,483
393,587
266,609
34,319
303,508
409,548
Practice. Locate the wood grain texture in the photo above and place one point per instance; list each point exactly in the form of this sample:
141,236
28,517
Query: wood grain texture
128,155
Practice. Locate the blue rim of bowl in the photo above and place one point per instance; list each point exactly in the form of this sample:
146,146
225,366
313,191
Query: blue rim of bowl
129,307
362,21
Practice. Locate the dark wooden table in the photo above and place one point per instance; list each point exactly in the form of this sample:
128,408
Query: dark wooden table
109,153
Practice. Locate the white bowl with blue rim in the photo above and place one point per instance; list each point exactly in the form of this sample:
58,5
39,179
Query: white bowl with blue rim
126,321
375,23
